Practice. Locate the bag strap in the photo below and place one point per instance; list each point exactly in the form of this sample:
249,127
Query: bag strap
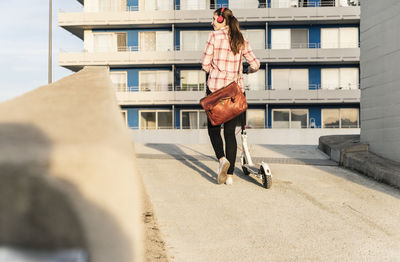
240,62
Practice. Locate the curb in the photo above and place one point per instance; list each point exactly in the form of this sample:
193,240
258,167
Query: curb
348,151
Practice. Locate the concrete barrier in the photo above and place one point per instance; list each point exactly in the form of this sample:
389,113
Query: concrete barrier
349,152
270,136
68,177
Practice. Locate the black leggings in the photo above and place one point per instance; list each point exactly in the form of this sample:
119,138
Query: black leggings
230,140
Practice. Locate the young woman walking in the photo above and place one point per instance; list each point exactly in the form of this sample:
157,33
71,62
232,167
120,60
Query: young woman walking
222,61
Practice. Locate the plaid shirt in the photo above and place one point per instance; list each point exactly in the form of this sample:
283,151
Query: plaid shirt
220,62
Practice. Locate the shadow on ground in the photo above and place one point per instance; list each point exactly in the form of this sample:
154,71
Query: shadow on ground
360,179
191,162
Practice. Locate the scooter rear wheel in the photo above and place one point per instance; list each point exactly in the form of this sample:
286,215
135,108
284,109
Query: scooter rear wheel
245,171
266,179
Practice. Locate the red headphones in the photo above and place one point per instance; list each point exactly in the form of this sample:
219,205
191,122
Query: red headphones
220,18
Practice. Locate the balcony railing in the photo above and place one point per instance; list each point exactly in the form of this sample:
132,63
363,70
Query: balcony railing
313,45
295,3
135,8
245,5
272,46
201,87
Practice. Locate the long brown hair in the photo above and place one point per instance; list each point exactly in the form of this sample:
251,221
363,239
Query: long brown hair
235,36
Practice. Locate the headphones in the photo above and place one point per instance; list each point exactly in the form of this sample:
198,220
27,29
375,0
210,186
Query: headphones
220,18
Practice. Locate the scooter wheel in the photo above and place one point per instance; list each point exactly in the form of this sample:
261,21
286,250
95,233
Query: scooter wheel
245,171
266,179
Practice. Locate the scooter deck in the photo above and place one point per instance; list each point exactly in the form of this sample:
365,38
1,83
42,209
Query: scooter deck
252,169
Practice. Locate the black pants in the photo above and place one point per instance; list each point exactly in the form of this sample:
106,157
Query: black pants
230,140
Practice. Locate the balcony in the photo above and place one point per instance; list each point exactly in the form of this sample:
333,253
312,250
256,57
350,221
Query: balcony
132,96
131,57
76,23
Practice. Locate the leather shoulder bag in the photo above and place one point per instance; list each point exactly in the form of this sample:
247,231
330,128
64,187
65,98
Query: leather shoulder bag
225,103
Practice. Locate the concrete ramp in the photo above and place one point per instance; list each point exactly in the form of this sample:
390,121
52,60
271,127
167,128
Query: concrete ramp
68,175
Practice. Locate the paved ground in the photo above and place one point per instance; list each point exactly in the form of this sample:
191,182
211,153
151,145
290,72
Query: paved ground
315,211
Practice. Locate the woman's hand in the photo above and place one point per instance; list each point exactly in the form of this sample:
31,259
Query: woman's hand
248,70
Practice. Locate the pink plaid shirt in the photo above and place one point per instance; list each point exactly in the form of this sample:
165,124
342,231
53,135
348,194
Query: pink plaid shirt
220,62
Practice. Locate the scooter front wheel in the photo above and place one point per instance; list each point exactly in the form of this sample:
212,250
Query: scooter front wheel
266,178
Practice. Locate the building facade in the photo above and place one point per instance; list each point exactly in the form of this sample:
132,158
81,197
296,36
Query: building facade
309,52
380,92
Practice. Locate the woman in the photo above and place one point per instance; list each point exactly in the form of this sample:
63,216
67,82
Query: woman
222,62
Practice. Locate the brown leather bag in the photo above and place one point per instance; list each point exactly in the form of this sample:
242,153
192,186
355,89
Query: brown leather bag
224,104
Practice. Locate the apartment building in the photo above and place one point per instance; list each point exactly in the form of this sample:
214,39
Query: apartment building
309,52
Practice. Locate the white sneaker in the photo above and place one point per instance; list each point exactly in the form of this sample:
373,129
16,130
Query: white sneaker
222,170
229,180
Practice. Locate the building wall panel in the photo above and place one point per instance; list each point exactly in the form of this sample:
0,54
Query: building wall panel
380,80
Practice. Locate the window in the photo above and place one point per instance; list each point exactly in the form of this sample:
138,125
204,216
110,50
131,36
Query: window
340,78
351,2
156,41
289,118
121,42
152,5
346,37
348,118
329,38
105,42
299,118
280,118
193,4
158,119
280,39
212,4
147,120
256,38
110,42
193,80
194,40
255,81
255,118
240,4
299,38
262,3
340,118
164,41
164,120
285,3
109,6
289,79
155,80
289,38
147,41
193,119
202,119
119,79
124,5
304,3
327,3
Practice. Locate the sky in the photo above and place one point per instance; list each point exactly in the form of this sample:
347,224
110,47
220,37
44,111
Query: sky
24,43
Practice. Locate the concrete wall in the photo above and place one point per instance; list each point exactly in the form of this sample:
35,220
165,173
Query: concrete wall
380,77
255,136
68,176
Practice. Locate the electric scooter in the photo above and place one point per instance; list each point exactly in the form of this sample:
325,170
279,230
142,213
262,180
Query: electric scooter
261,171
